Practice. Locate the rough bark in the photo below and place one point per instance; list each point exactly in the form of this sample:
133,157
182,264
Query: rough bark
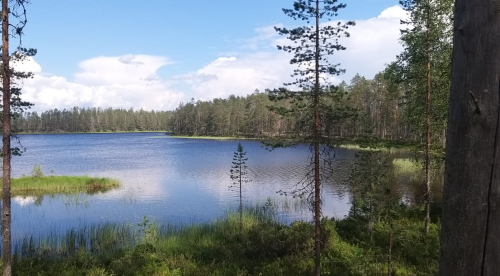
6,153
470,241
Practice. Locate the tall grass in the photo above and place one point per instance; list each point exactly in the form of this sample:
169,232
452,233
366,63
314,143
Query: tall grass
42,185
201,137
95,238
406,166
110,237
262,246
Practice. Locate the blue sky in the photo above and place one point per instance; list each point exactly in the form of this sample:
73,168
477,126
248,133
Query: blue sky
89,52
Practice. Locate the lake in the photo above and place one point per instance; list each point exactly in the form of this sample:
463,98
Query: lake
170,180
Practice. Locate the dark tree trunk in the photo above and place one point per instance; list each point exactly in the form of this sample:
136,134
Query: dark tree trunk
470,241
6,218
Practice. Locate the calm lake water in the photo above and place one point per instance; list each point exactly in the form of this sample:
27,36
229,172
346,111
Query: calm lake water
171,180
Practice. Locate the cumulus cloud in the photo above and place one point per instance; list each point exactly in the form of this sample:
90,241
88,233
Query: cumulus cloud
238,76
118,82
372,44
24,200
132,80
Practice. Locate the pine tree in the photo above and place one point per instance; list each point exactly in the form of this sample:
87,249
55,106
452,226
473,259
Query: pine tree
470,244
12,106
424,70
312,46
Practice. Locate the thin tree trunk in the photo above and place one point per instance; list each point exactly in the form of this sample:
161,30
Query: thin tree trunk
470,240
241,202
6,208
317,183
391,230
428,129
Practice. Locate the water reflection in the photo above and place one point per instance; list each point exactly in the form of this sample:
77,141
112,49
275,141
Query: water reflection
179,181
24,200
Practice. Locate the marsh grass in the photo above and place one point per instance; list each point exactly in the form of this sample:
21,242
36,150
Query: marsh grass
48,185
262,246
110,237
382,148
201,137
406,166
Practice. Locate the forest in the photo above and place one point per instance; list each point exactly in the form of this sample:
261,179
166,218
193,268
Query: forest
79,120
378,108
428,99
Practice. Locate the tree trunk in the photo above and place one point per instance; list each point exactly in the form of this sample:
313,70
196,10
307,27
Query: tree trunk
6,209
428,127
241,200
317,183
470,241
391,233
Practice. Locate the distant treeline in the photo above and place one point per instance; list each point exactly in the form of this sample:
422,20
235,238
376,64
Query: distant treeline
364,107
92,120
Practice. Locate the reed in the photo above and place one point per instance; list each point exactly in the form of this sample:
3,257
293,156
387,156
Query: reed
43,185
201,137
406,166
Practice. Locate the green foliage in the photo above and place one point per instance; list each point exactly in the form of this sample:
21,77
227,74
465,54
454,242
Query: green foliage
369,186
427,41
239,173
264,247
37,172
92,119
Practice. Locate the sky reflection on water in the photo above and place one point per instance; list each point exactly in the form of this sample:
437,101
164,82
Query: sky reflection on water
176,181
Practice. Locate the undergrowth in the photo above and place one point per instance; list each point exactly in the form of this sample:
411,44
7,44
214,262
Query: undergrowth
262,247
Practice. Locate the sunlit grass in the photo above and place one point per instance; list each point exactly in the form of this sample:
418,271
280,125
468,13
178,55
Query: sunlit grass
358,147
201,137
382,148
32,185
262,246
91,132
406,166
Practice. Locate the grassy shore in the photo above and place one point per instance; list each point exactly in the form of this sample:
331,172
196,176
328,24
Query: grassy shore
95,132
406,166
261,246
43,185
203,137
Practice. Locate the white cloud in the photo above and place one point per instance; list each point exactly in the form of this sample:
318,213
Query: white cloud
24,200
238,76
372,44
123,70
118,82
393,12
132,80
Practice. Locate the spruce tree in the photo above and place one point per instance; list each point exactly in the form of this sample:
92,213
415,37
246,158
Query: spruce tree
239,175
